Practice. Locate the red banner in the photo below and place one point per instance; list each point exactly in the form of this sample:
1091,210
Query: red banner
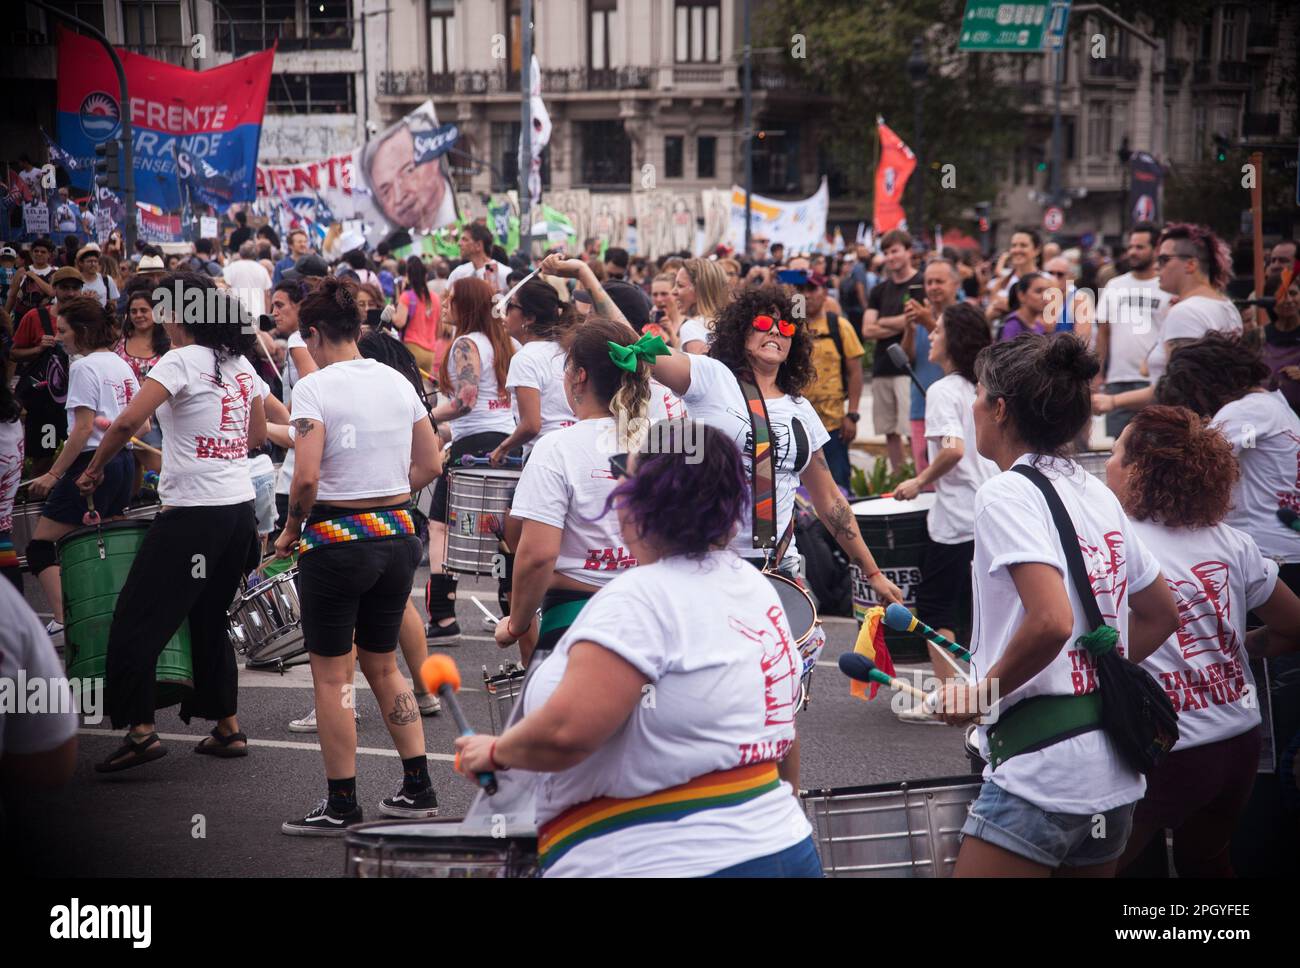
896,165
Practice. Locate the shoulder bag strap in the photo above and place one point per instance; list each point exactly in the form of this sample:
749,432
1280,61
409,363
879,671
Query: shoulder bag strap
763,472
1065,530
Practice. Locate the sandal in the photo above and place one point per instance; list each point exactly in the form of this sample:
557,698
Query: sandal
222,745
133,752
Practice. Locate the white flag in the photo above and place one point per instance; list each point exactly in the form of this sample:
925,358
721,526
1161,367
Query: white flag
541,133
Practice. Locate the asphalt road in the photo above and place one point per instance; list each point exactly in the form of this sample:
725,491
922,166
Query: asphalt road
191,815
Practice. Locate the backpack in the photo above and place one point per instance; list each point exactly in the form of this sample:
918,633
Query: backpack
833,328
47,374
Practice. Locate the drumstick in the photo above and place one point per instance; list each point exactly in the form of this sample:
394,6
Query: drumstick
103,423
857,666
483,608
900,619
440,675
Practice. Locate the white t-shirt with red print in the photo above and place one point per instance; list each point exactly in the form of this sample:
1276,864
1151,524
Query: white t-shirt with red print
205,424
1265,435
1013,525
1217,576
664,404
493,412
11,469
539,365
565,484
713,641
103,382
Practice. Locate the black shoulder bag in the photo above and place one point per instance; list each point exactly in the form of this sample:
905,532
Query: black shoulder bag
1135,712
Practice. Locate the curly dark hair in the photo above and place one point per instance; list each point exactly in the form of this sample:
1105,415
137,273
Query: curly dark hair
331,309
734,324
1209,373
965,333
1181,471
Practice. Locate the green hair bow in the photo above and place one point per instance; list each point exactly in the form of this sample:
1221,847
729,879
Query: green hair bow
646,348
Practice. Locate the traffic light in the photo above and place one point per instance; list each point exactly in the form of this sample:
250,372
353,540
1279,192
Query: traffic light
108,167
1221,146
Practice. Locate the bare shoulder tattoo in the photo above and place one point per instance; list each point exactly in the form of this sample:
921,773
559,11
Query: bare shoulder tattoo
303,426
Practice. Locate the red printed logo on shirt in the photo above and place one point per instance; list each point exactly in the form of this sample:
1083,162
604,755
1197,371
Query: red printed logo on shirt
780,671
1204,611
122,393
608,559
1106,572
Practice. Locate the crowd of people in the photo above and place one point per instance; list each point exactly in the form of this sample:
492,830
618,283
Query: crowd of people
369,379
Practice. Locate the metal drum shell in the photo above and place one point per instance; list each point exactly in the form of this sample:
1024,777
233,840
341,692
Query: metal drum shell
907,829
895,532
25,516
266,622
438,849
478,500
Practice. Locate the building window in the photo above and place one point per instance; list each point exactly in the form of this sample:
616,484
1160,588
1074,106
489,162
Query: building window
674,149
776,159
706,156
91,11
514,39
606,154
698,31
312,94
442,36
505,158
302,25
160,21
602,24
1228,34
1205,51
1100,125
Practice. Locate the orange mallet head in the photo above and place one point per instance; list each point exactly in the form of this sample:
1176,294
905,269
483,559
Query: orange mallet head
439,670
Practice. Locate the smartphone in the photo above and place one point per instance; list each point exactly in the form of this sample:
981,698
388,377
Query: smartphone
792,277
916,292
373,318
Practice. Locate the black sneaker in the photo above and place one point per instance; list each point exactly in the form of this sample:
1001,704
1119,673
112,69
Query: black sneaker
323,821
406,804
433,631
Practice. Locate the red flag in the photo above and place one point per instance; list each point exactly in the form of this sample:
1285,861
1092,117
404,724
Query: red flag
895,167
871,643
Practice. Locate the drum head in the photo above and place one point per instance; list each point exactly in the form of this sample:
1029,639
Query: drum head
439,849
796,603
891,507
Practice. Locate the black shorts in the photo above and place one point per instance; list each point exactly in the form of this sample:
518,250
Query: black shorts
355,590
66,504
943,596
475,445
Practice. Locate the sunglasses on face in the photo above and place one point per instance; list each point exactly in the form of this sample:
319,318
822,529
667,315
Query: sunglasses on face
765,323
618,466
1164,260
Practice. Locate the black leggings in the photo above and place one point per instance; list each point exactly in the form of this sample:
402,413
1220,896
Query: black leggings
166,585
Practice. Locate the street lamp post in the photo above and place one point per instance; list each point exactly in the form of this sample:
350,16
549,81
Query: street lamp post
525,125
1124,154
918,69
748,96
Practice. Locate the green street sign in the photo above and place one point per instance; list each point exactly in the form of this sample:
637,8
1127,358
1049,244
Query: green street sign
1030,27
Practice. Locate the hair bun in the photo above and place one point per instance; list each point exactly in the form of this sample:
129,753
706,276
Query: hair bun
1068,354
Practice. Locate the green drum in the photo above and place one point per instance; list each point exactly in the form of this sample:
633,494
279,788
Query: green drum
95,563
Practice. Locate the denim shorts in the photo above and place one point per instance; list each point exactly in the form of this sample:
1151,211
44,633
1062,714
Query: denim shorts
264,499
1053,839
798,861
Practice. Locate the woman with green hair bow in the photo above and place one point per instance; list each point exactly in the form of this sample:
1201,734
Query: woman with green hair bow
570,546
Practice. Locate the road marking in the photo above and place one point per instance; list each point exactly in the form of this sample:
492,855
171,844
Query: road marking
284,744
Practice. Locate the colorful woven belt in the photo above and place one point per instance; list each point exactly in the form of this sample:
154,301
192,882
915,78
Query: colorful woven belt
363,526
604,815
8,556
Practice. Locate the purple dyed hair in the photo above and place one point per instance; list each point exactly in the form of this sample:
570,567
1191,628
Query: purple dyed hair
684,508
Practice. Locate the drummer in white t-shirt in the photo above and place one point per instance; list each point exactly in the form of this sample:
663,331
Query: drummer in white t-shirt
652,735
100,385
1037,813
204,392
474,374
956,469
1221,378
1193,266
570,544
285,300
1175,477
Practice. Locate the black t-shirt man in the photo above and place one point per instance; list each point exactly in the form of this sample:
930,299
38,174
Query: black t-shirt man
887,299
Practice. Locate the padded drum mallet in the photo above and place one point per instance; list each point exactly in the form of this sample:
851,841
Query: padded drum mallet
900,619
857,666
440,675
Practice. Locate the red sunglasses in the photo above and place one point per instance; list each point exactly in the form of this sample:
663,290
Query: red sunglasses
765,323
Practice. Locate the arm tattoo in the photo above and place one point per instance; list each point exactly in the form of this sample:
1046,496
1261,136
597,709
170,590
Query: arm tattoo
464,363
302,427
297,512
820,460
404,711
841,523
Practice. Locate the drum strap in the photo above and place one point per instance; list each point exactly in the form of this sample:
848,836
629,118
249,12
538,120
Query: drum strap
1042,721
363,526
603,815
763,475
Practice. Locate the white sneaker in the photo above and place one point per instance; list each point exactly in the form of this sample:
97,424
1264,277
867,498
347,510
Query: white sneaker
308,723
53,628
918,715
429,704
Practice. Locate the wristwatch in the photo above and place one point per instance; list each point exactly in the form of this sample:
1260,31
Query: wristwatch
854,416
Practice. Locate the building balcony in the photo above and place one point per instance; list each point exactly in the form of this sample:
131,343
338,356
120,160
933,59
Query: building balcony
1262,125
251,36
1175,71
1234,72
1261,38
697,75
1095,174
1111,68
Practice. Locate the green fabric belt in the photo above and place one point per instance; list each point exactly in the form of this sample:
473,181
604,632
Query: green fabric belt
560,616
1040,721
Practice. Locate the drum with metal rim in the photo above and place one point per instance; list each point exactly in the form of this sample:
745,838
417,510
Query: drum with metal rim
809,638
1094,462
266,623
439,848
478,500
502,690
907,829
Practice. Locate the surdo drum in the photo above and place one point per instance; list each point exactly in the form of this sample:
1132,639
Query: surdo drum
439,848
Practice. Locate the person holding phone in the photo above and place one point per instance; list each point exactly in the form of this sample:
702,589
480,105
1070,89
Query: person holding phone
883,323
476,249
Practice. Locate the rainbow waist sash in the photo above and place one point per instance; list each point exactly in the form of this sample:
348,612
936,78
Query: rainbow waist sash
8,556
362,526
595,818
